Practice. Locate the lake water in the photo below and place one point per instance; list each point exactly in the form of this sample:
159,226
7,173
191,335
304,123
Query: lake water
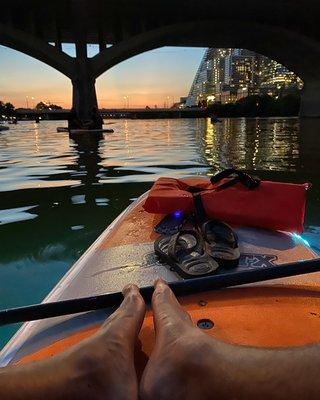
57,195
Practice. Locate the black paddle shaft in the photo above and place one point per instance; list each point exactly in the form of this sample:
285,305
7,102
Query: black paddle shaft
181,288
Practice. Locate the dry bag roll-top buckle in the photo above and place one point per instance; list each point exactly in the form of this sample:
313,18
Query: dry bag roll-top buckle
235,176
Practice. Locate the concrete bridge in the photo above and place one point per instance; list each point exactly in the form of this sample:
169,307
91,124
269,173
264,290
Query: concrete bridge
117,113
284,30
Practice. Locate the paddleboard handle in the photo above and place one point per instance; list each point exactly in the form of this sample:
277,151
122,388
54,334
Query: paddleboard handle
180,288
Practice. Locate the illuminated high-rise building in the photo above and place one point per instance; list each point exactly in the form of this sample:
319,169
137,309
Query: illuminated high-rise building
210,77
240,73
226,75
276,78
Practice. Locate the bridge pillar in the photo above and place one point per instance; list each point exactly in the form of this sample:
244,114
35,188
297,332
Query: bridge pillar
310,100
84,97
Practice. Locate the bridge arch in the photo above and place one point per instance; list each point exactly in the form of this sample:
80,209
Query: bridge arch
271,41
36,48
297,52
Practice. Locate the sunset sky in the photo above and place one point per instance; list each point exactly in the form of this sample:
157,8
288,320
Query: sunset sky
148,79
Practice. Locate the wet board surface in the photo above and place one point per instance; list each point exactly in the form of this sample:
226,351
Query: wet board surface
281,312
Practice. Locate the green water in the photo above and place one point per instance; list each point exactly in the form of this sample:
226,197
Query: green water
57,195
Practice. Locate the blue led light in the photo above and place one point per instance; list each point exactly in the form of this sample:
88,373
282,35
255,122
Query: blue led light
177,214
301,239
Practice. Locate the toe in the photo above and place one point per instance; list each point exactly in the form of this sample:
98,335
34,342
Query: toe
126,321
167,312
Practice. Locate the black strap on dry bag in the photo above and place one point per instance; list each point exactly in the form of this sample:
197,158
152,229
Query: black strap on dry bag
235,176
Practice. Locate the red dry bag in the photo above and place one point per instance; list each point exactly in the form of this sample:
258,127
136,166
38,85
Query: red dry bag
240,200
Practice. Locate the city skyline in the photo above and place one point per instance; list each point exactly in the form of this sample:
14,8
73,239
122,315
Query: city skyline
145,80
226,75
158,78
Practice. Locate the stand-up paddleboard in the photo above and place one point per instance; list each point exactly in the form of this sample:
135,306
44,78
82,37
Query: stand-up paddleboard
282,312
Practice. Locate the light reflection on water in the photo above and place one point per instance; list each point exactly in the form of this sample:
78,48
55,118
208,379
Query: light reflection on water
252,144
57,195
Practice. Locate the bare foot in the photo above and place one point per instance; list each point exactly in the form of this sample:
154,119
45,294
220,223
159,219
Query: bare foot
190,365
100,367
179,367
106,360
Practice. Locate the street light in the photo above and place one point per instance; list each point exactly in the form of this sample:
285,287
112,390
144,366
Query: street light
126,101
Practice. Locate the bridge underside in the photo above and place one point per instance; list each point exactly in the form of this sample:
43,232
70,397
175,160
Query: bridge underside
286,31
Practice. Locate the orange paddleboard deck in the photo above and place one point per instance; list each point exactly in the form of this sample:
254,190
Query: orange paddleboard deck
282,312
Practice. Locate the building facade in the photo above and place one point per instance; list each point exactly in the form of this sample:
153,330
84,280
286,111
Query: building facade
227,75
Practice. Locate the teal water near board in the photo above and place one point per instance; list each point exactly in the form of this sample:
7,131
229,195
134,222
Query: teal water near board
58,195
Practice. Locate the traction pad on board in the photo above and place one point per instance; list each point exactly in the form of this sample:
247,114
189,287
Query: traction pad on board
111,269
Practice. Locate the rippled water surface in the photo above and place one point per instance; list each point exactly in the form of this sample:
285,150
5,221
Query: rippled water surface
58,195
